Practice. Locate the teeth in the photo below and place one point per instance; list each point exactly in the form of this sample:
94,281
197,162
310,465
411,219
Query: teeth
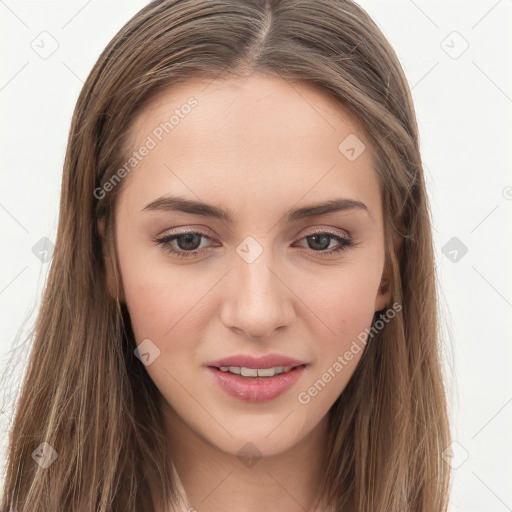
267,372
255,372
248,372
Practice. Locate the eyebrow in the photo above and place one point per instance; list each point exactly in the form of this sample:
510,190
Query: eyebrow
181,204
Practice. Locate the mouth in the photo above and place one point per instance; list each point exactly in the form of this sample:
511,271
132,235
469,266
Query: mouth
252,384
255,372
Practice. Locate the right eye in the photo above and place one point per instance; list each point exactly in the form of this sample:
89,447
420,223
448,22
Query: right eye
187,243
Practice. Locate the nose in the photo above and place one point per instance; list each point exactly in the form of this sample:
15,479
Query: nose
258,301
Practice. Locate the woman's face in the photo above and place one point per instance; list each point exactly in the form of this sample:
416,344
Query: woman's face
241,164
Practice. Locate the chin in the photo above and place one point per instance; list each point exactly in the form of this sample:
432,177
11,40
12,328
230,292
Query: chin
258,437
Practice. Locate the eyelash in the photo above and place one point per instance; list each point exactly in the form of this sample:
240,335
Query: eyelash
165,241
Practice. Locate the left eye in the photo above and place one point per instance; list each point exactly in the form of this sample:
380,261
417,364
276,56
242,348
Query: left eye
188,244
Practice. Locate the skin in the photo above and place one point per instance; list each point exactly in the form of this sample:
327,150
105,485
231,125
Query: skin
256,146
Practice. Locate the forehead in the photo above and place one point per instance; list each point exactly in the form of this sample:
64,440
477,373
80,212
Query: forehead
259,136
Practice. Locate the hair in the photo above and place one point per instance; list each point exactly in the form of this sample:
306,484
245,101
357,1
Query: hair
84,391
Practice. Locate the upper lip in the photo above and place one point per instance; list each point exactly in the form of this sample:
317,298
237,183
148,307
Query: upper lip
247,361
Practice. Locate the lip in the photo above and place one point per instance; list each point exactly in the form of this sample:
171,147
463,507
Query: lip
256,389
268,361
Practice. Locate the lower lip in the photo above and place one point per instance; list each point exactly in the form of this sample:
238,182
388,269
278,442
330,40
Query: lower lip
256,389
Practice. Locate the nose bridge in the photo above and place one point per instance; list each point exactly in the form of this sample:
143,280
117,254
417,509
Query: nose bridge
259,301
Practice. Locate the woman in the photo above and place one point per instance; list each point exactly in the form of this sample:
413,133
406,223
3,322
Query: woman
241,310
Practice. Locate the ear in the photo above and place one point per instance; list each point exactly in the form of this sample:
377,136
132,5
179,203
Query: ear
383,297
112,285
384,293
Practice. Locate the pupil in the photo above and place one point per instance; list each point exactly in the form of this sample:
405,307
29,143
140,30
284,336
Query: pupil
189,240
322,238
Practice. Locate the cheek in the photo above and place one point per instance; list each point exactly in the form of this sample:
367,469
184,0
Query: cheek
160,302
344,301
345,306
168,305
166,302
149,289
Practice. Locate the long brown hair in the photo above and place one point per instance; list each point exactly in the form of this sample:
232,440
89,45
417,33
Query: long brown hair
84,391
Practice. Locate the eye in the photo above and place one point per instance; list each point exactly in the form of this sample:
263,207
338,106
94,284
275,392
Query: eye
320,241
188,244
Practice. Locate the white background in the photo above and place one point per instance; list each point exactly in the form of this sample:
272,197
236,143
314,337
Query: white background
464,107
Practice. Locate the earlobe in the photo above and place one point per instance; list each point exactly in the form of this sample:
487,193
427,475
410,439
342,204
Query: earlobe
383,296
